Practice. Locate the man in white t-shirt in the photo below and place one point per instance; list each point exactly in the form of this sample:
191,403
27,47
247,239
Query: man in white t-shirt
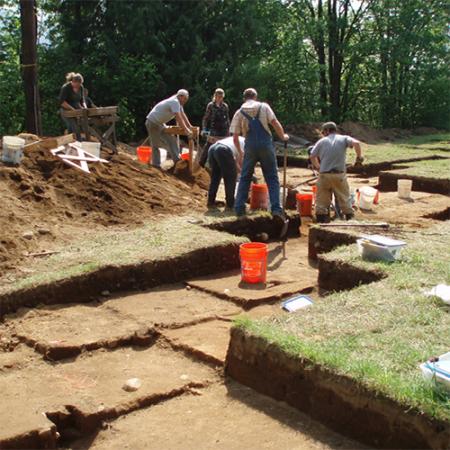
222,159
252,121
157,118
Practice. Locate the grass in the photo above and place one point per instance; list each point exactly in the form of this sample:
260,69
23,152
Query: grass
425,146
155,240
438,168
378,334
429,140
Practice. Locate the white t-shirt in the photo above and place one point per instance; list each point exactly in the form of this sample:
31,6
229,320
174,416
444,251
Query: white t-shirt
165,110
228,141
239,124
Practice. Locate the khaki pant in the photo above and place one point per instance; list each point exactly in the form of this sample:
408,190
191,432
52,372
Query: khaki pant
158,138
332,183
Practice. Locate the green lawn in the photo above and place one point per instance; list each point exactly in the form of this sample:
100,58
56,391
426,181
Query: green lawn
378,333
162,239
437,168
425,146
430,140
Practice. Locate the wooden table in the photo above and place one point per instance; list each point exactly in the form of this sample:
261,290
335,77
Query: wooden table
92,120
192,141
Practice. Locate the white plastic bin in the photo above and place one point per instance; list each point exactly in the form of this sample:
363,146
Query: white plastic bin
92,147
438,373
404,188
12,149
373,251
367,196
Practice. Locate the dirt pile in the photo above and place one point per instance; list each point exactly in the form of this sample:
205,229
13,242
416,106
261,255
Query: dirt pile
43,199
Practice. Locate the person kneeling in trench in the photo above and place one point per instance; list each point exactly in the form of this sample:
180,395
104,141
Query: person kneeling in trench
328,157
223,159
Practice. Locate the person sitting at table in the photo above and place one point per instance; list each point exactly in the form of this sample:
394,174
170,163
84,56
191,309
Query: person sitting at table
71,97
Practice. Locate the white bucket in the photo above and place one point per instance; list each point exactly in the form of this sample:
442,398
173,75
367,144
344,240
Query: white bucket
404,188
12,149
92,147
367,196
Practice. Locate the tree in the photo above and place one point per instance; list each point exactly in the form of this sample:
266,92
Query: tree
29,65
333,27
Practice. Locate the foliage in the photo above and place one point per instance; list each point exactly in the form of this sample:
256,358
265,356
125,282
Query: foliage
311,59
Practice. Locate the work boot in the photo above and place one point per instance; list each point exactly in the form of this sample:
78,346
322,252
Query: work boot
322,218
279,218
349,216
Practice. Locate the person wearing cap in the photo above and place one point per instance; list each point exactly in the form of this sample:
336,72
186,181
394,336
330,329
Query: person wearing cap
215,123
329,157
253,121
222,159
155,123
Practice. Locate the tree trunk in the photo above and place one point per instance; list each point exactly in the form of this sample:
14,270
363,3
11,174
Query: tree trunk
28,22
334,61
320,48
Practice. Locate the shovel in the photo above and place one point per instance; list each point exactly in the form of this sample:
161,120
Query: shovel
285,226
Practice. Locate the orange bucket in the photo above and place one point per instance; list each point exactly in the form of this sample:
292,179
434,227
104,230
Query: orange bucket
259,196
144,154
184,156
304,204
253,257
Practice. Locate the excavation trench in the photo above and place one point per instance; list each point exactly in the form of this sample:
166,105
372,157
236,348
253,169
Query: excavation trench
338,401
175,338
73,353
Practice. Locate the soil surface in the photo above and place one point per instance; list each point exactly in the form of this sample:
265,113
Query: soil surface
174,339
46,203
390,207
223,416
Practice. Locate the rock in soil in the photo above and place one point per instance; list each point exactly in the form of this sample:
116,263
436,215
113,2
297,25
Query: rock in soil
131,385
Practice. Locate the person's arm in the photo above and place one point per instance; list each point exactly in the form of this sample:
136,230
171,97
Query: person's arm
207,117
186,120
227,119
65,105
314,156
357,146
240,153
279,130
180,118
315,162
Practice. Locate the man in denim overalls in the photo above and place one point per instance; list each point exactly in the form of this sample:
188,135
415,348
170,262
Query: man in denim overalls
252,121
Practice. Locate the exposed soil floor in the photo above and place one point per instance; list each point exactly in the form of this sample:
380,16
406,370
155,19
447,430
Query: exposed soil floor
390,209
71,362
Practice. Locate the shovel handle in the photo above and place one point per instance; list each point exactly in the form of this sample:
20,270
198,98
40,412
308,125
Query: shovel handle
284,173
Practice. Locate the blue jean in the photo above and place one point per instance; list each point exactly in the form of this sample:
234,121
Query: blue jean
223,165
266,157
